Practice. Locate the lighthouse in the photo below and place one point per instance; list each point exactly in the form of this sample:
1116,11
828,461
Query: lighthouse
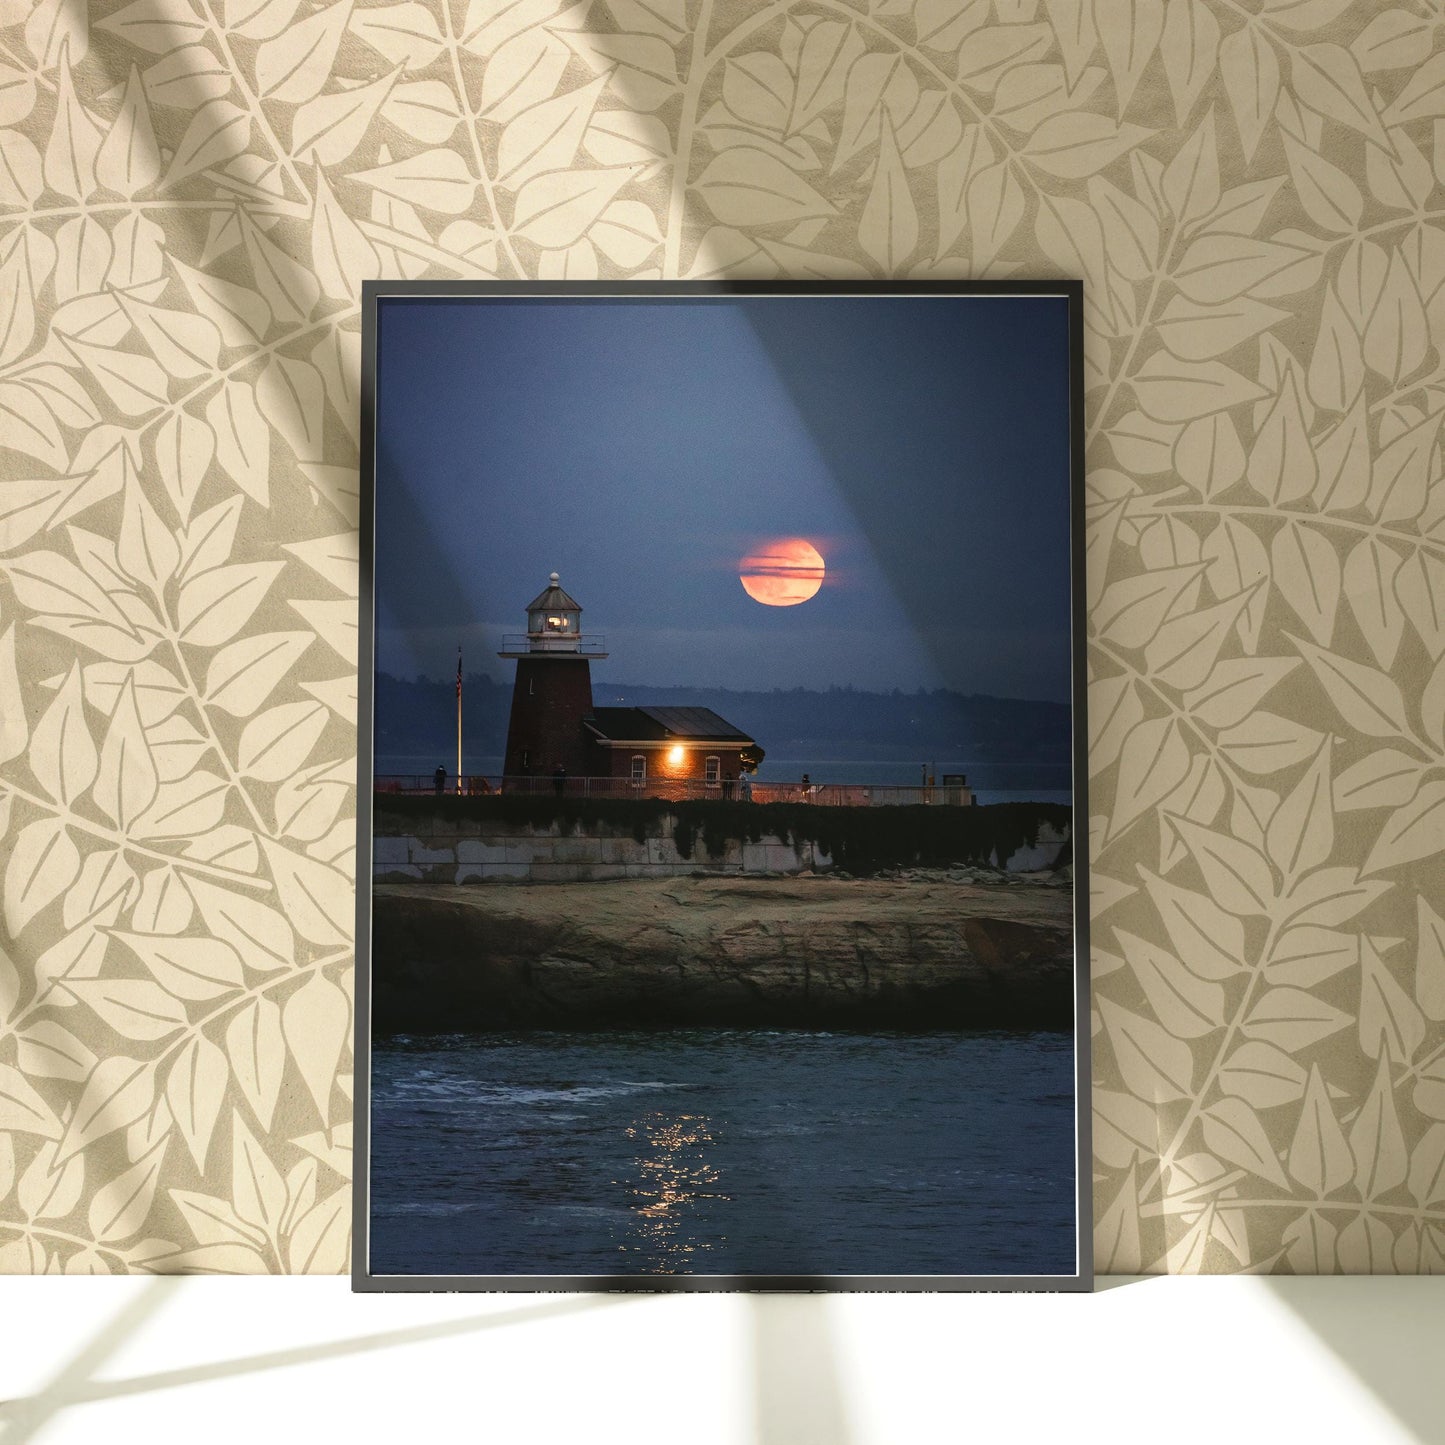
552,693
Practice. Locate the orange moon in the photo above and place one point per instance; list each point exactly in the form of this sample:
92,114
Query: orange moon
782,572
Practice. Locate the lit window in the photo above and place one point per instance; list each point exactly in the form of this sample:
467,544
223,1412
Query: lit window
711,768
557,624
639,768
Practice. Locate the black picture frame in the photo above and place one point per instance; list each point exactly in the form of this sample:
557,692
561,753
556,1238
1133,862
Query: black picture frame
363,1279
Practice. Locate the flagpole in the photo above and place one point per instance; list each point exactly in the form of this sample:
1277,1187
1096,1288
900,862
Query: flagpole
459,717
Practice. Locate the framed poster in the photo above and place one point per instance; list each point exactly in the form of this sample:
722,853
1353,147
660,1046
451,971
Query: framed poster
721,737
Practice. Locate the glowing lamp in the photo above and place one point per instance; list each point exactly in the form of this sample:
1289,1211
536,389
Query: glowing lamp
675,756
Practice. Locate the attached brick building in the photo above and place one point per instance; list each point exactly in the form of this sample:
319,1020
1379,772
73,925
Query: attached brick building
554,724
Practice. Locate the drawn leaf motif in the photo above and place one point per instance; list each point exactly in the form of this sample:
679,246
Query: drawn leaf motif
1307,955
437,180
1218,266
289,288
189,968
1327,79
120,1207
332,126
256,1048
118,1092
213,1221
1412,832
1171,390
1075,145
1292,1019
277,742
135,1008
1336,371
1329,197
1376,1139
1399,476
888,228
241,439
50,1190
184,446
1114,710
195,1090
1238,876
1423,94
213,606
47,1051
546,136
128,159
74,142
1319,1155
1369,700
1427,1168
135,385
1282,466
189,806
1153,762
1391,1025
1191,181
1301,835
1187,1005
260,933
1154,1066
1185,650
244,673
1131,610
44,862
1430,961
258,1191
126,780
294,66
1310,1244
316,897
316,1021
218,132
744,186
1208,941
63,755
22,1108
407,34
1262,1075
1385,778
321,1238
1190,50
995,206
1233,1131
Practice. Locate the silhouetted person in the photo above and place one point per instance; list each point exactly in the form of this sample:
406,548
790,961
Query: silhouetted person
439,778
559,780
728,781
807,787
745,787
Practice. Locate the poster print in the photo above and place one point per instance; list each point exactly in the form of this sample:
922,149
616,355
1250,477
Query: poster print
721,713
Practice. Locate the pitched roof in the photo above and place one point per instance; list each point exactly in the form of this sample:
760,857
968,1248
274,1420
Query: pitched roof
552,599
649,724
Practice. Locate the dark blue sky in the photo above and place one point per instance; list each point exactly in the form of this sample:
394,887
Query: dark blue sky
641,447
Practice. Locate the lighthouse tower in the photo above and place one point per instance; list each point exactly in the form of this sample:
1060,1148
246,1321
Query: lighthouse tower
553,690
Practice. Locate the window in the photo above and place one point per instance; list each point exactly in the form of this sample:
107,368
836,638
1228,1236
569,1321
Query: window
711,768
639,768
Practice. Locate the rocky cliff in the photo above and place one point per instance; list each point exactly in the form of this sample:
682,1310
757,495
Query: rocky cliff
809,952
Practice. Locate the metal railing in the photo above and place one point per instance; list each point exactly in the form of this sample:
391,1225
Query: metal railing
583,644
838,795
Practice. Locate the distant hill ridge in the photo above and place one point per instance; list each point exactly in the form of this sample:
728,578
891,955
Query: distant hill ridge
418,715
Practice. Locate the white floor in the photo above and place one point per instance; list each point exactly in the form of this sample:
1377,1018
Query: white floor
212,1361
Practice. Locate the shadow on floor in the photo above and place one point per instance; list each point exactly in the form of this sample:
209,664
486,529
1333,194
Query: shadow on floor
1390,1332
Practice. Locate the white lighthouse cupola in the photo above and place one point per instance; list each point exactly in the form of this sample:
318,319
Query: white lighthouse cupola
554,620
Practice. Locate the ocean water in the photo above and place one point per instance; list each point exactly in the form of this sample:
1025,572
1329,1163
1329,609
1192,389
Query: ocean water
723,1151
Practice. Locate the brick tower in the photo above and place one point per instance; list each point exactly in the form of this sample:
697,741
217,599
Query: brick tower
553,689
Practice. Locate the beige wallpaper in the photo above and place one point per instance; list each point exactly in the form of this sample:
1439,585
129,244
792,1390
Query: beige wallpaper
190,194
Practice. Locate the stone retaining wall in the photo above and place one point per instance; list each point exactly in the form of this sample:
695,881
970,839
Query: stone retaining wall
484,853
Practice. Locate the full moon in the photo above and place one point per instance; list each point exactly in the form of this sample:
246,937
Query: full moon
782,572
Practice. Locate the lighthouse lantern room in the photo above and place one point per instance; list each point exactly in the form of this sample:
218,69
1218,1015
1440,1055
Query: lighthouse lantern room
553,689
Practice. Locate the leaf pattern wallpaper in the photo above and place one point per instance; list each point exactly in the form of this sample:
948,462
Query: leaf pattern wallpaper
191,192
